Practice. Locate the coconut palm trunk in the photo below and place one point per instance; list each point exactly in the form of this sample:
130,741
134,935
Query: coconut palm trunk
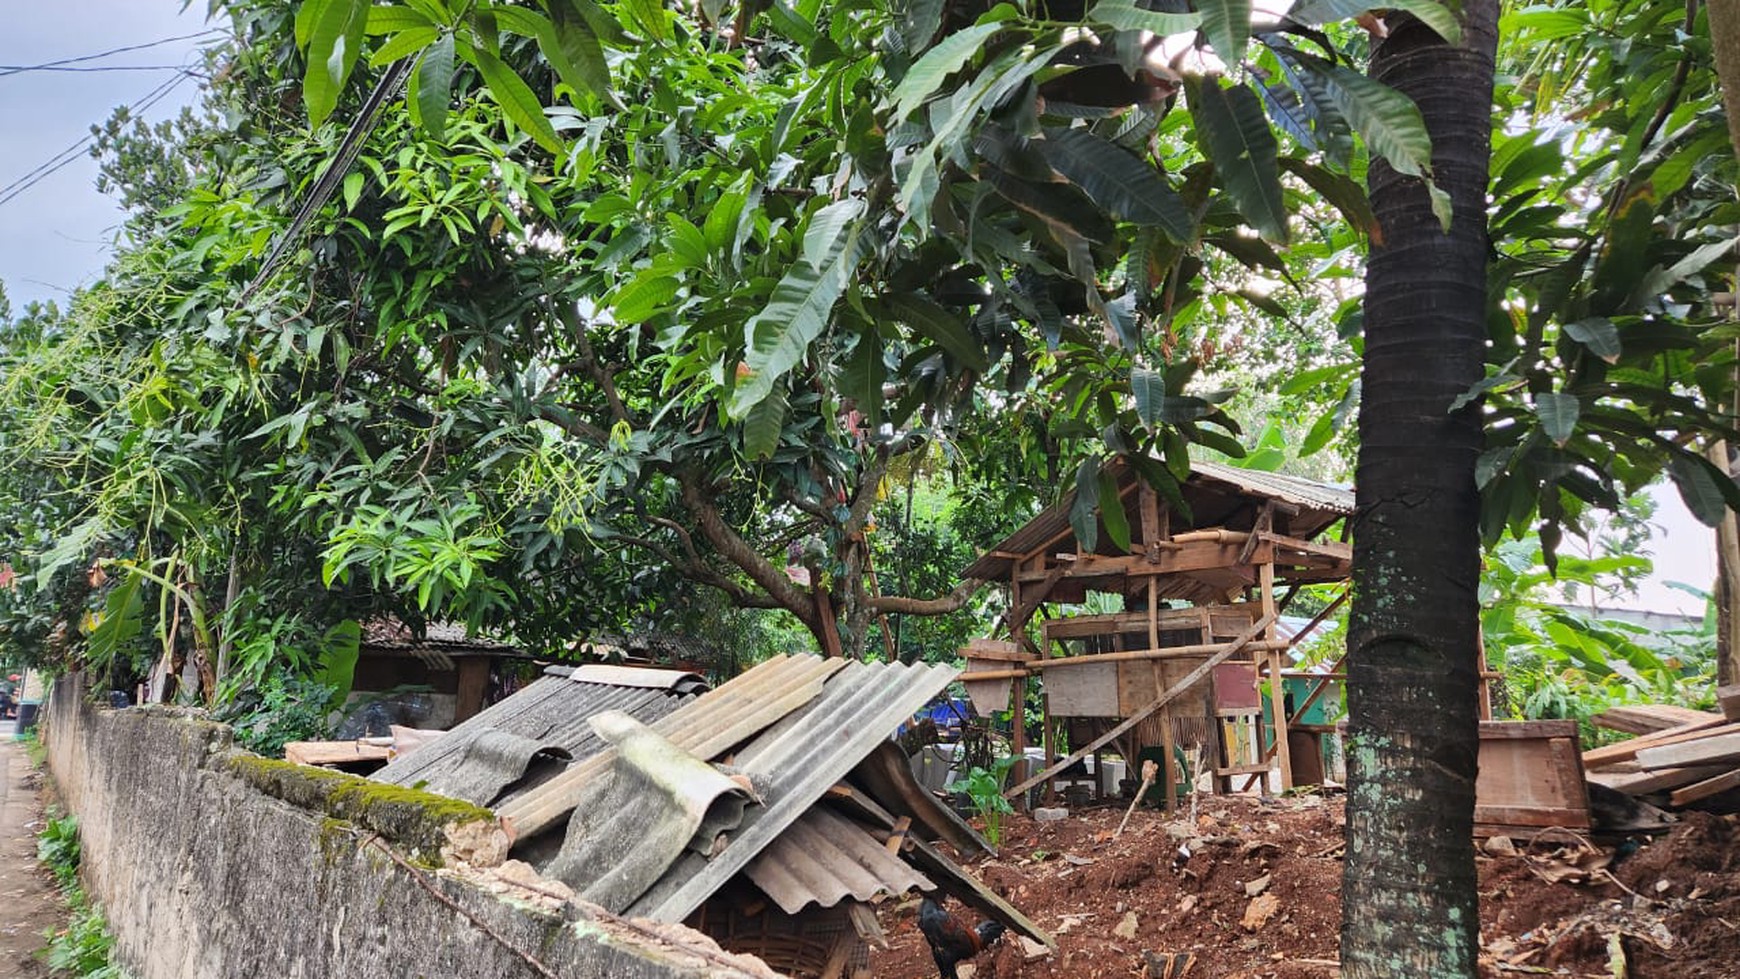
1408,895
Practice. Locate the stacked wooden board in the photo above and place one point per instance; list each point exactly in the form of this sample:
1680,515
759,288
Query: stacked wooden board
1679,758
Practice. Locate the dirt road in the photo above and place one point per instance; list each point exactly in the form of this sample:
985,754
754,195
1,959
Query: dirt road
29,903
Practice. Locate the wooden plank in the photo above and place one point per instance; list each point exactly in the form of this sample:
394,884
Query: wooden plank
334,752
1729,699
1713,749
1706,788
1077,626
1277,689
1666,780
1648,718
473,685
1528,729
994,649
1192,651
1174,691
1627,750
1531,816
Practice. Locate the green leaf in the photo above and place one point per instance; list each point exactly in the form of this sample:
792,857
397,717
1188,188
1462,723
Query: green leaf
1598,334
1062,207
1388,121
1149,389
574,49
1698,487
928,74
334,42
1228,26
431,87
764,424
1118,181
353,185
862,375
403,44
939,326
119,624
1112,512
1237,138
778,337
515,97
1343,194
826,229
393,19
1126,16
343,647
642,297
1433,15
1081,513
1558,412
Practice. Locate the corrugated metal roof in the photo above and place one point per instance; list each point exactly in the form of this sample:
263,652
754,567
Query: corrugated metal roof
552,712
1321,504
797,760
824,858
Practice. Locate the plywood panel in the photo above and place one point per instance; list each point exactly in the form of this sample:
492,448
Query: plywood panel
1136,686
1089,690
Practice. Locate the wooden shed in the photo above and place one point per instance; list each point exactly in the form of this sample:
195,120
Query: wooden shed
1202,588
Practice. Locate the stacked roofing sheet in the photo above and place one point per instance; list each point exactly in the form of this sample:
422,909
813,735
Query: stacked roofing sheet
480,758
790,729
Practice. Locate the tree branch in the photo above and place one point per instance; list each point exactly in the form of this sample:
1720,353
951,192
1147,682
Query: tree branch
738,551
951,602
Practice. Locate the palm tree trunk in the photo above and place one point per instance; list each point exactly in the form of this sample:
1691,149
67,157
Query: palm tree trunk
1409,898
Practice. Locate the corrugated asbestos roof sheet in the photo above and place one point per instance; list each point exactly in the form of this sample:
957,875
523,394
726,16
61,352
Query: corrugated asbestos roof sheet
1321,504
551,714
824,858
797,725
1301,492
793,764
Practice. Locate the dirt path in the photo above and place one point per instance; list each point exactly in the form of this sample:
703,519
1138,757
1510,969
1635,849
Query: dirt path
29,903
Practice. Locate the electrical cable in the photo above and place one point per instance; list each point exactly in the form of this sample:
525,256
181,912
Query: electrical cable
67,156
16,69
333,176
46,65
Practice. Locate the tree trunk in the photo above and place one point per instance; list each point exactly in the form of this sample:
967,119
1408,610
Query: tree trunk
1725,41
1409,899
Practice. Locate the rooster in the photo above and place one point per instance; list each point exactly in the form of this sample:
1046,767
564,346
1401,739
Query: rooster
951,939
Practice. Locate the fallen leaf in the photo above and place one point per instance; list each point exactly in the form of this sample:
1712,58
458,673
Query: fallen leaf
1258,886
1127,927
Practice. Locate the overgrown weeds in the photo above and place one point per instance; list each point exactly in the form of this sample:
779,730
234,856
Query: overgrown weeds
84,947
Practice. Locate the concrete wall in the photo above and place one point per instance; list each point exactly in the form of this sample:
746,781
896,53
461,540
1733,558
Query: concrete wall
204,875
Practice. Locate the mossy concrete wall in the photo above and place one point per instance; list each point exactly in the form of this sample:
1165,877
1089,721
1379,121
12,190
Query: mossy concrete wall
204,873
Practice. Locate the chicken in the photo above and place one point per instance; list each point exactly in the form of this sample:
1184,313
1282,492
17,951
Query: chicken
951,939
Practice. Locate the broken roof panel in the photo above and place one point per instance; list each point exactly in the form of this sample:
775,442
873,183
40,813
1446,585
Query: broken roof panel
797,760
824,858
552,713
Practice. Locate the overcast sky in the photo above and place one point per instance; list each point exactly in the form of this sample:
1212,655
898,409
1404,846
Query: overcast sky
56,235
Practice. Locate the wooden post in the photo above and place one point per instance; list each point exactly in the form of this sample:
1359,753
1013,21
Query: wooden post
473,684
1277,695
1148,504
1485,687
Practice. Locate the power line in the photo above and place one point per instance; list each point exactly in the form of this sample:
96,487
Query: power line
47,65
18,69
65,157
